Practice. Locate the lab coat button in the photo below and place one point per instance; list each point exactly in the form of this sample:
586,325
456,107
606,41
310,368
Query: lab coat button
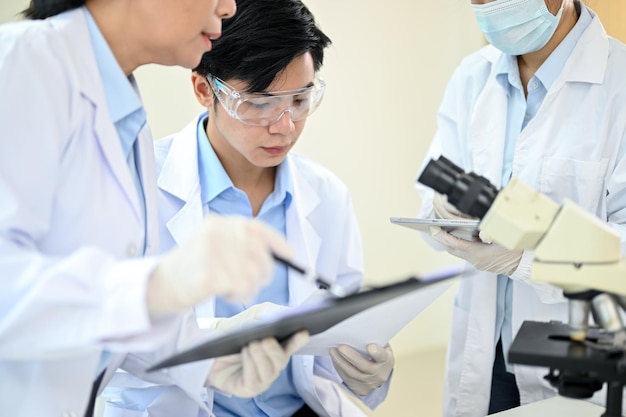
70,414
131,250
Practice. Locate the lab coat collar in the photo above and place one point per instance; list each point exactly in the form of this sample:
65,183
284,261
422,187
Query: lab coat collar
90,84
589,59
587,62
300,233
179,173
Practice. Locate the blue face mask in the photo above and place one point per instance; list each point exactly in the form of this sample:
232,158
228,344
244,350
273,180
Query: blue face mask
517,27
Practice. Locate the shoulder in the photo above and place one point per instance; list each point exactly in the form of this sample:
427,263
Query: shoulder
43,41
474,71
320,178
478,64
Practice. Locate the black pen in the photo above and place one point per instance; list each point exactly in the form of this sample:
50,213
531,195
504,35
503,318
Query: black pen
310,276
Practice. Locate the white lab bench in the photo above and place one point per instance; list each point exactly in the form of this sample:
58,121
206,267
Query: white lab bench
556,406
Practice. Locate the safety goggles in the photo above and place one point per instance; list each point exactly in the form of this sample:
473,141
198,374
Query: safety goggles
264,109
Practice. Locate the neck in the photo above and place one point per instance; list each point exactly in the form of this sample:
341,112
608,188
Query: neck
257,182
530,63
112,18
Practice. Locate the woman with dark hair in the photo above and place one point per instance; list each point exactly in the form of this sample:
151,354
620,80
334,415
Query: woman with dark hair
259,86
80,282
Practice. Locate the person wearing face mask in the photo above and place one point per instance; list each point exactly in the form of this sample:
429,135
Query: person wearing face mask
259,86
544,102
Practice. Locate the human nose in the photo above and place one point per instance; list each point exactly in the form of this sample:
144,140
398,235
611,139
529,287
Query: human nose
227,8
284,124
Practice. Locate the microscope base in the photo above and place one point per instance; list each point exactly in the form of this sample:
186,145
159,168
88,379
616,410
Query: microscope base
576,369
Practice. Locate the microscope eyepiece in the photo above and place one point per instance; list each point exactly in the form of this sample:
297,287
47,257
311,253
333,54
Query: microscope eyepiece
470,193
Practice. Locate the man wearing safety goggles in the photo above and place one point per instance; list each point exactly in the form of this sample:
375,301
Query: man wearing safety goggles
259,86
267,108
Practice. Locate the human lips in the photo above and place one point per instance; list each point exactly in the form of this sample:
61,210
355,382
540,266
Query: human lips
276,150
209,37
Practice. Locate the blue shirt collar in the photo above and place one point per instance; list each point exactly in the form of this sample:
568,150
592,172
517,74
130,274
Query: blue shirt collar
552,67
214,180
507,71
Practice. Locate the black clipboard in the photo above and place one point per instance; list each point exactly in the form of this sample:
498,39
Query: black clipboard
315,318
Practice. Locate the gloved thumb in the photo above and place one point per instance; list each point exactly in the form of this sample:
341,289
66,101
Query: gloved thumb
296,342
378,353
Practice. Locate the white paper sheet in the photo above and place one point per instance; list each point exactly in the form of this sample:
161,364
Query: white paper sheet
377,324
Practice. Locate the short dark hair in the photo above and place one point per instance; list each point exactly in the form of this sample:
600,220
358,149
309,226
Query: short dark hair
261,40
42,9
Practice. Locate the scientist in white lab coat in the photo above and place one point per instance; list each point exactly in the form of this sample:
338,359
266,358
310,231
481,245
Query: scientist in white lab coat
78,207
259,86
546,103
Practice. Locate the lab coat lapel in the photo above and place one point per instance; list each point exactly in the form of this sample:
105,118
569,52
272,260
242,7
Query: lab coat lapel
488,124
301,234
92,88
179,177
147,173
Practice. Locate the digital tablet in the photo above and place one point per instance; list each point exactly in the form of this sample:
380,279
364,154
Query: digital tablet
464,229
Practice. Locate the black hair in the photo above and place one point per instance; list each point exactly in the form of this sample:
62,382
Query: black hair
261,40
42,9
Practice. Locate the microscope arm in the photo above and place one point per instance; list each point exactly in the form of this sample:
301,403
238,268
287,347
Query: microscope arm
573,249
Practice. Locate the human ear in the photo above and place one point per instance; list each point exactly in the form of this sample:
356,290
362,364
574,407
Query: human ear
202,89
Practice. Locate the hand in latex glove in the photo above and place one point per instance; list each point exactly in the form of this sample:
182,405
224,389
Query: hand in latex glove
445,210
360,373
248,316
229,256
257,366
484,256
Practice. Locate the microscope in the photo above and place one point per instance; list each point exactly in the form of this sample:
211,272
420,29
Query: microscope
573,250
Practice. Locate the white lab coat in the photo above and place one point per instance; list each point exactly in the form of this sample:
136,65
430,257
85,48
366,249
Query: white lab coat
70,225
573,148
321,227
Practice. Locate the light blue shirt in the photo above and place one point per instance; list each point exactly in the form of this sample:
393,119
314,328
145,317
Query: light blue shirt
520,112
127,114
221,197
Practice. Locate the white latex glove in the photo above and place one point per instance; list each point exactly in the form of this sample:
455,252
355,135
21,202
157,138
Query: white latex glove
257,366
229,256
360,373
445,210
248,316
484,256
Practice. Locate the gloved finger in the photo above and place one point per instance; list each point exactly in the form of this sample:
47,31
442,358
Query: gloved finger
447,239
264,359
484,237
275,241
444,210
459,247
434,230
379,353
352,362
223,369
296,342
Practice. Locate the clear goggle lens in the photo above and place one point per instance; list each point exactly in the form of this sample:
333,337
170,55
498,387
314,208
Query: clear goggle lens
264,109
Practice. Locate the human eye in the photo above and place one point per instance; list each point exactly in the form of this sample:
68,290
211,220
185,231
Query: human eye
301,100
257,104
